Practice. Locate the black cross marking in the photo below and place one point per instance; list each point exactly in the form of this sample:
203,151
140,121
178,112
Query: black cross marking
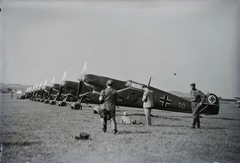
165,101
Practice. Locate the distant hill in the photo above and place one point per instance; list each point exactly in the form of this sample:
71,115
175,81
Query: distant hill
187,95
6,88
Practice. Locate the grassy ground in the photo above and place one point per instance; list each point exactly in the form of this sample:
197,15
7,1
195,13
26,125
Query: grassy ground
38,132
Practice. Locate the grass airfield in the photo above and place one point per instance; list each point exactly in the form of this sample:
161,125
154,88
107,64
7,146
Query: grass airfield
37,132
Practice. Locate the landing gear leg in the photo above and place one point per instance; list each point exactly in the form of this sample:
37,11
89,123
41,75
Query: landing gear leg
63,103
77,105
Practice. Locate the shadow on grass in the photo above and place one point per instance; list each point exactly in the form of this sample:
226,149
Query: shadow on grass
133,132
215,128
25,143
8,133
155,116
161,125
173,133
223,118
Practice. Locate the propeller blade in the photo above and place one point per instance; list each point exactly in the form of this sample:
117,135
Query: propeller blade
60,91
45,83
64,75
83,72
80,84
40,85
84,69
50,91
81,78
41,93
53,80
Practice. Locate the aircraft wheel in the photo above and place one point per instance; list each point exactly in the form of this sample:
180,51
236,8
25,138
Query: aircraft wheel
62,103
76,106
53,102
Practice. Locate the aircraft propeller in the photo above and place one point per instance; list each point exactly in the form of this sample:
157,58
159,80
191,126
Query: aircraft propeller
36,87
40,85
50,90
63,78
43,87
45,83
81,78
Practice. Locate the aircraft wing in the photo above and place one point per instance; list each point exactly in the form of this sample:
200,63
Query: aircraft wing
130,96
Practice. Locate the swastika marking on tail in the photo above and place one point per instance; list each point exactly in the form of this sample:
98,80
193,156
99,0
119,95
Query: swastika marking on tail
212,99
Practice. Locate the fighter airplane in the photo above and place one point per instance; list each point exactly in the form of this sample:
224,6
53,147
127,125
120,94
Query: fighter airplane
130,95
71,90
62,95
88,88
238,101
53,94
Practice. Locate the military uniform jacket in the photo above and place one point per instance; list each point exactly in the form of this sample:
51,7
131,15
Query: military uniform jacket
110,101
149,103
197,96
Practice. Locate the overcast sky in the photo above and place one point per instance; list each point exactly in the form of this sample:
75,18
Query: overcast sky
197,40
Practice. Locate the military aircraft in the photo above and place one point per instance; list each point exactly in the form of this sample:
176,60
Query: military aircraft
73,89
88,88
62,95
238,101
52,93
130,95
41,92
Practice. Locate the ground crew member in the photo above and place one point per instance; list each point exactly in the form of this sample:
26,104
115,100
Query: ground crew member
109,98
11,95
197,98
148,103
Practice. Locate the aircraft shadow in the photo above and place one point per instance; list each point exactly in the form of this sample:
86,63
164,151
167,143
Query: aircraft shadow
223,118
133,132
24,143
156,116
161,125
215,128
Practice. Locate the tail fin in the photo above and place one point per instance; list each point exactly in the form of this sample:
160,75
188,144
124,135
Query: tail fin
211,105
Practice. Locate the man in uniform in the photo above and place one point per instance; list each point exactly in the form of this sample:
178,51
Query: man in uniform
109,96
148,103
197,98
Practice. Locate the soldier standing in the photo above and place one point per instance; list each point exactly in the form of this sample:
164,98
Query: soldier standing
197,98
11,95
109,96
148,103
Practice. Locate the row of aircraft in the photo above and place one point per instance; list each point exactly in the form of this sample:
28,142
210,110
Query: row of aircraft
88,87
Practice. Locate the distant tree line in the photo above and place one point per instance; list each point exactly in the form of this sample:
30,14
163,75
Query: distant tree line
7,90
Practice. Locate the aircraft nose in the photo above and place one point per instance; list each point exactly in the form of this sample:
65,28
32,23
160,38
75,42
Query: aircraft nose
87,78
65,83
55,86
